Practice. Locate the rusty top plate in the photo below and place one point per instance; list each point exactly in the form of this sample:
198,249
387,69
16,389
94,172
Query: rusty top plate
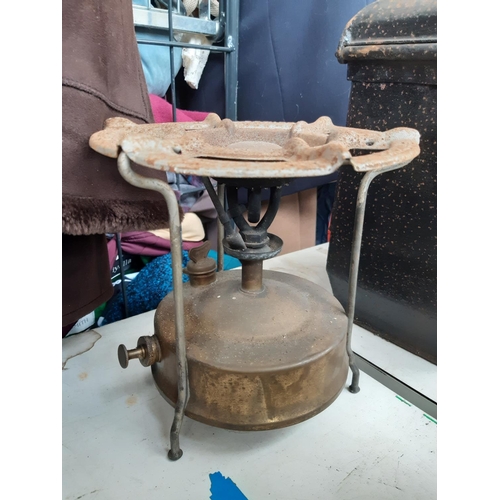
223,148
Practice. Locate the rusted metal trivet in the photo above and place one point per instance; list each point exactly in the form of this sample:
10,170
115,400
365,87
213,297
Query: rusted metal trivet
263,349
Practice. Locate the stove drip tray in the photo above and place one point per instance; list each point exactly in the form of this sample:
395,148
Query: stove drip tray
249,349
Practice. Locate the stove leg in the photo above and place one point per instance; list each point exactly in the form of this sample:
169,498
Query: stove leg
162,187
175,451
355,255
353,273
220,229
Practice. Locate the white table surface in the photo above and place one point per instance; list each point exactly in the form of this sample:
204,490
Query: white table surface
414,371
371,445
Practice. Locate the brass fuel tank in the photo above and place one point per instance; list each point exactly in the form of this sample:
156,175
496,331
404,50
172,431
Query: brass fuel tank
256,360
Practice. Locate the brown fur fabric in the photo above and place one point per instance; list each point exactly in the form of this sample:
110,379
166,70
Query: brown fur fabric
102,78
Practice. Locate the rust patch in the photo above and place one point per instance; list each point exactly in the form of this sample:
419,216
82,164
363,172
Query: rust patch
83,375
131,400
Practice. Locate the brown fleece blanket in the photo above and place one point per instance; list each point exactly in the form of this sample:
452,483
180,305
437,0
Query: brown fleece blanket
102,77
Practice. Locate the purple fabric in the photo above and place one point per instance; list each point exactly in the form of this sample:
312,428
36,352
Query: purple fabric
144,243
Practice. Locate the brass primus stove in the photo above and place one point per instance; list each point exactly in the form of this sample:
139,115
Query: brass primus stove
248,349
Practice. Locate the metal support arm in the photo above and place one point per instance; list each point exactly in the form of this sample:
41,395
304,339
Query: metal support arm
354,268
163,188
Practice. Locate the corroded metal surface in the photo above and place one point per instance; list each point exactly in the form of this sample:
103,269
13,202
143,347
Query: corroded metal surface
223,148
391,30
256,361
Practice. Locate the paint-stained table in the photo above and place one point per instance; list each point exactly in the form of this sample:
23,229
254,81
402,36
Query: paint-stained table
372,445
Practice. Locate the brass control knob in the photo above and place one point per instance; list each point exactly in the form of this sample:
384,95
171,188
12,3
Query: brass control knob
147,352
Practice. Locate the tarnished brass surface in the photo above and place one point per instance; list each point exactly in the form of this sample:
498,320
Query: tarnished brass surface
251,276
255,361
201,268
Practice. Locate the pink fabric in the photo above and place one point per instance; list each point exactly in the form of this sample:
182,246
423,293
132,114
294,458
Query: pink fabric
162,112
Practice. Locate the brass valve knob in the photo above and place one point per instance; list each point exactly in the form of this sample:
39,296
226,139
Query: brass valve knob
201,268
147,352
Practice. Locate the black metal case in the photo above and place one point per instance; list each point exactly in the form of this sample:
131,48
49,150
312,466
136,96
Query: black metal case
391,52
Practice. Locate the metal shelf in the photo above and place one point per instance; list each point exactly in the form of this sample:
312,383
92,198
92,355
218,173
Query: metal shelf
225,27
150,17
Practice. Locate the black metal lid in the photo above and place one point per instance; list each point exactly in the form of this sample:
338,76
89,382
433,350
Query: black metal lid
391,30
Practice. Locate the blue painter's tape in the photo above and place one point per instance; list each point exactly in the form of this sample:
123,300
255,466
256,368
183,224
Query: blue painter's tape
223,488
